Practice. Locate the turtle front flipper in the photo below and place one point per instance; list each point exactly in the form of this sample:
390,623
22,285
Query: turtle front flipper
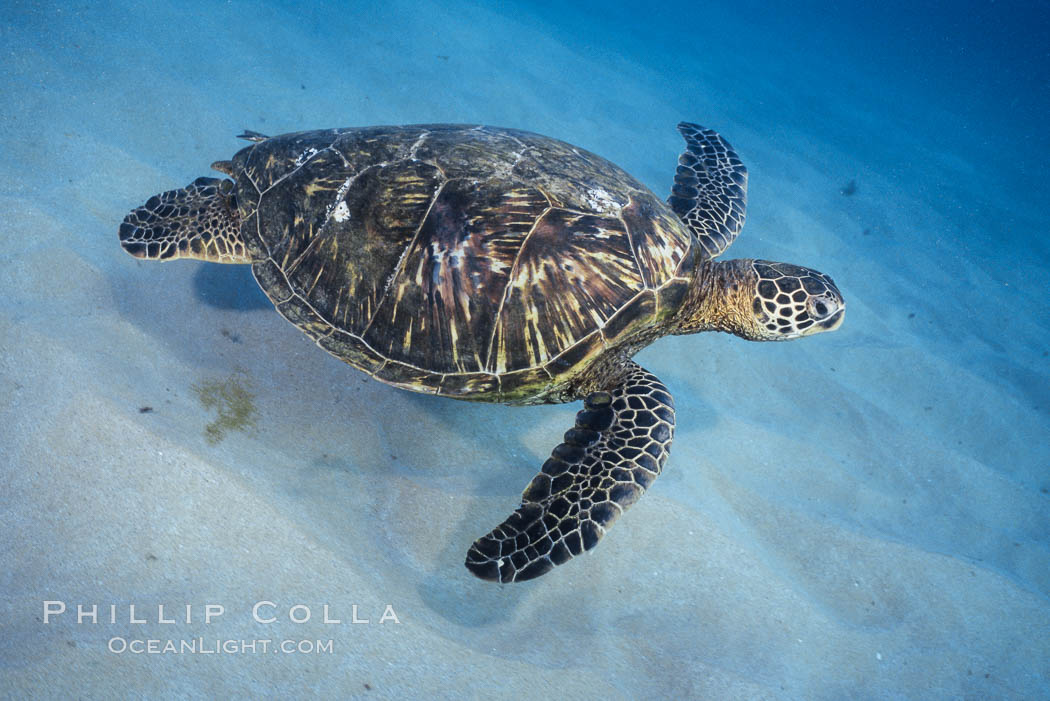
710,188
198,221
617,448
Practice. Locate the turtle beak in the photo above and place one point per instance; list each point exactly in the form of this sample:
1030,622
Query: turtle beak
834,321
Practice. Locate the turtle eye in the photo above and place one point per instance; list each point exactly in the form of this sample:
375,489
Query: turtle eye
226,187
820,307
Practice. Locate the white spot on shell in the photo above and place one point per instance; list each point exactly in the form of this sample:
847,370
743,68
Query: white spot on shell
601,201
341,212
305,156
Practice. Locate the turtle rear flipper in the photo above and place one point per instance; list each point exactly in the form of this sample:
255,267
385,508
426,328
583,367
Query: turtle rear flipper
198,221
617,448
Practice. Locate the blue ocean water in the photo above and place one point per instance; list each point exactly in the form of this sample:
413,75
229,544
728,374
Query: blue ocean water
861,514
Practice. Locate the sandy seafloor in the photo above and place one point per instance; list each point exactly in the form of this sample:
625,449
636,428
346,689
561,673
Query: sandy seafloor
858,515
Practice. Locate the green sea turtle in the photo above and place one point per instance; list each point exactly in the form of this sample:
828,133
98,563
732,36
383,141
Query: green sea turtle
498,265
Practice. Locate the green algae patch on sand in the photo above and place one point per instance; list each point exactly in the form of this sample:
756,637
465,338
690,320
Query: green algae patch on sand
233,401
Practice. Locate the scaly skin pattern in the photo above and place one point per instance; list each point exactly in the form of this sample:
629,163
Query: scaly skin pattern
760,300
710,189
618,446
197,221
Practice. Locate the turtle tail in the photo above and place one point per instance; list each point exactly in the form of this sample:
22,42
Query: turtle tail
198,221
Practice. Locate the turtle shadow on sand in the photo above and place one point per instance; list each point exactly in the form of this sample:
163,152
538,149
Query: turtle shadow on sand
364,498
169,305
448,588
229,287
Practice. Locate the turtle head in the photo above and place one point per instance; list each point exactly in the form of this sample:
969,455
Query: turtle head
789,301
198,221
760,300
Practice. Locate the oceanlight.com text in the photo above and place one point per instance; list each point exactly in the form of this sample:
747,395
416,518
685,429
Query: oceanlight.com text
218,646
